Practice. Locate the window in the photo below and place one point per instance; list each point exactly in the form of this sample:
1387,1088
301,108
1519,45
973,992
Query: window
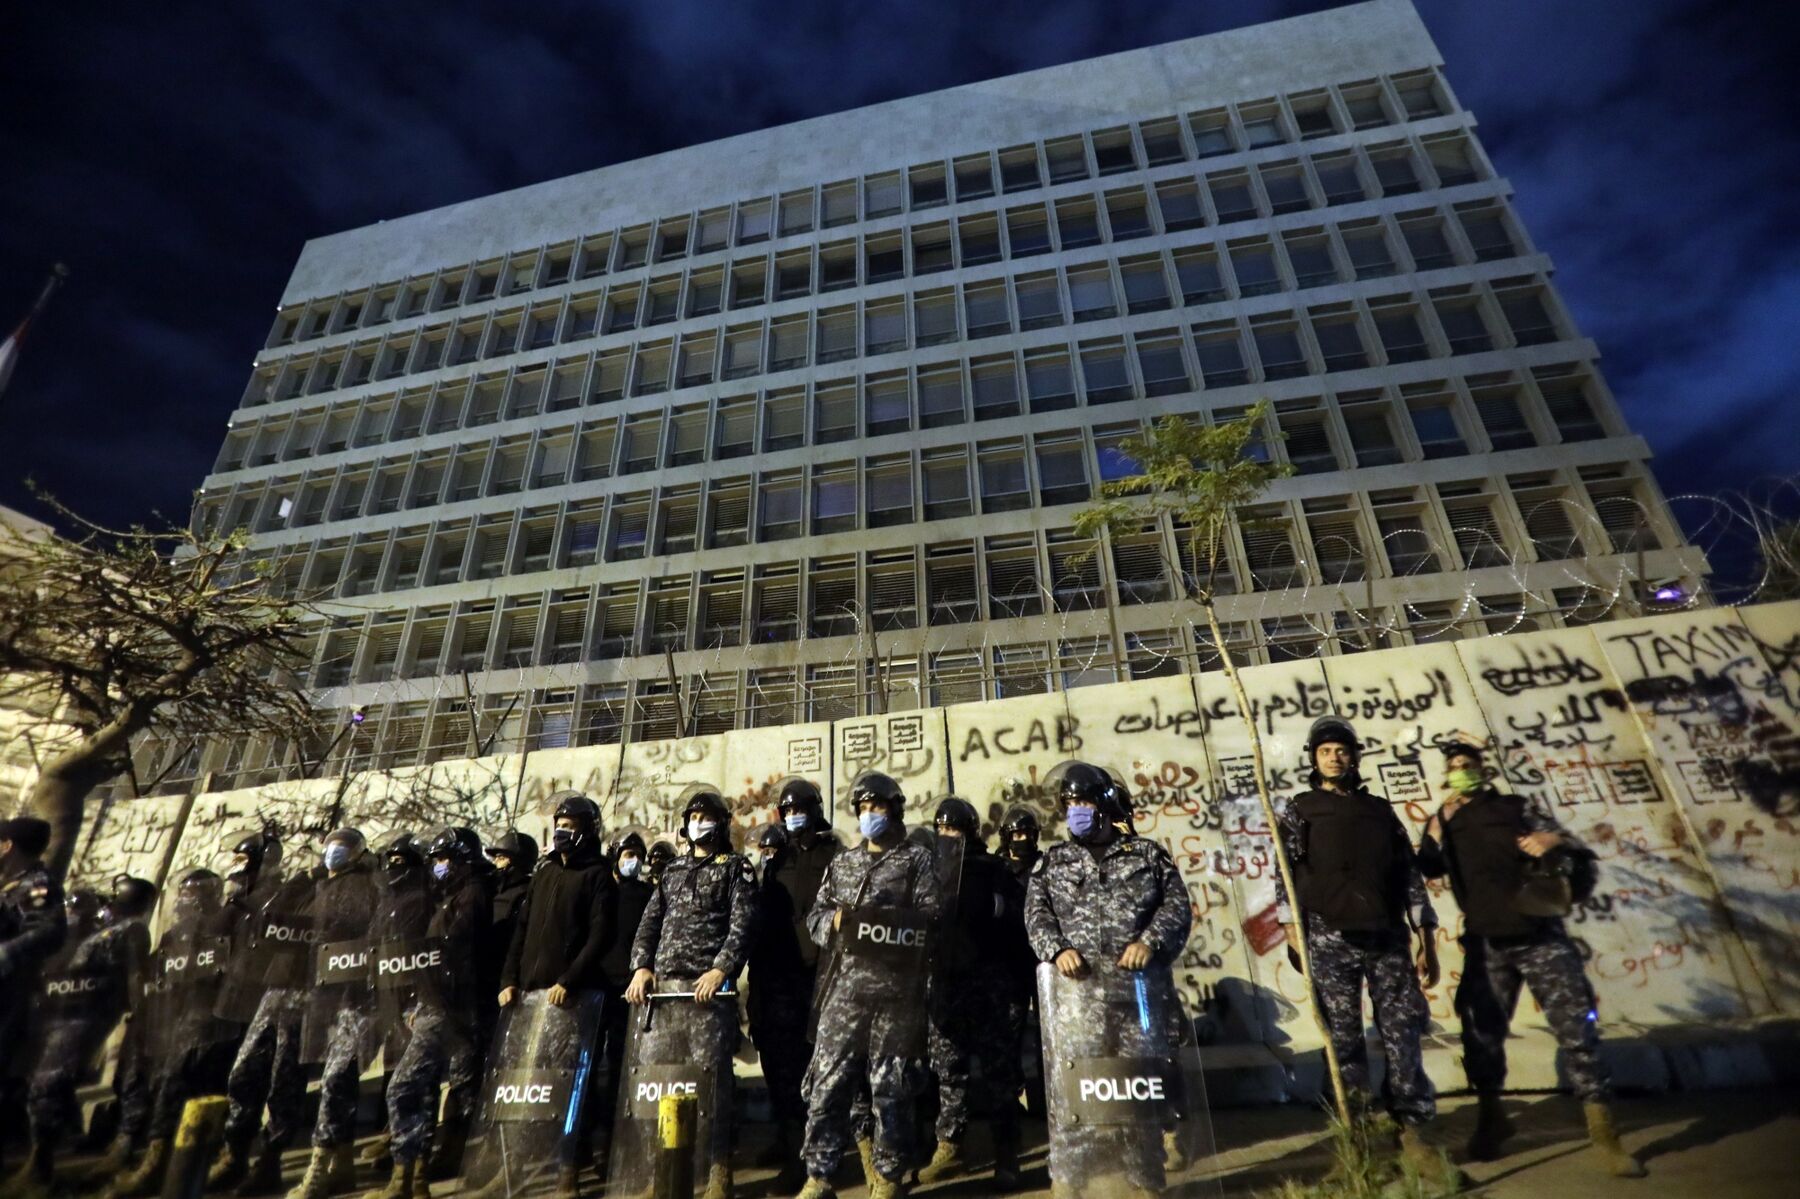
1161,364
727,514
1434,420
1128,214
721,608
1337,541
974,177
833,499
591,259
1623,515
889,484
979,239
650,369
1340,338
1365,106
1485,227
753,222
996,387
1397,324
837,266
1062,470
787,343
885,256
1400,521
671,240
927,186
749,283
633,248
1366,244
1039,300
1221,354
1503,416
1309,253
687,436
838,204
641,444
893,590
887,405
595,453
1278,346
581,535
931,249
1162,141
1049,380
509,466
1253,262
1113,151
1307,442
984,308
884,325
1091,292
1285,187
945,475
834,413
1003,484
1028,231
699,352
1394,170
1020,670
837,334
1146,289
1262,125
1312,115
1418,97
743,352
941,397
950,584
1197,271
881,195
1178,201
1078,222
1269,549
1104,375
1338,178
1371,431
1479,541
1526,314
779,507
713,230
1019,169
1067,158
1212,133
1231,196
1571,411
1452,159
784,420
1012,578
793,274
550,467
1549,514
1464,329
1425,241
487,558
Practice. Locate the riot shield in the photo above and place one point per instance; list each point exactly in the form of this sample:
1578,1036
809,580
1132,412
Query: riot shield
340,1001
872,987
533,1100
180,991
275,952
406,972
674,1046
1124,1088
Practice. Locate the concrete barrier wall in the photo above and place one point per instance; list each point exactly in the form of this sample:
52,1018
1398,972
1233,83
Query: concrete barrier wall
1671,745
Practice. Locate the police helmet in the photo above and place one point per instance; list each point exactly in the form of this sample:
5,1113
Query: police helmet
1020,821
83,908
576,806
1466,745
350,838
402,845
522,848
872,786
1332,730
770,837
1082,782
801,795
955,812
131,897
203,887
456,843
631,840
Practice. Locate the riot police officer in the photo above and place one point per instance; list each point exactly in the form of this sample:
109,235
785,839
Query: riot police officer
874,913
436,974
514,855
1108,912
784,965
405,907
1019,834
340,1015
84,995
626,856
1359,891
33,926
975,1009
658,857
694,938
1515,871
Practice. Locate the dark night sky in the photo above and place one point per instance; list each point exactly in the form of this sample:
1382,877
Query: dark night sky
177,155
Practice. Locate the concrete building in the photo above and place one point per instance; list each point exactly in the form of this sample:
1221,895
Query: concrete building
795,424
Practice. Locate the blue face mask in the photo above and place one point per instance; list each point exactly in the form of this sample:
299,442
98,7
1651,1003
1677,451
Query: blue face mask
337,856
795,821
701,830
629,867
440,870
872,824
1083,820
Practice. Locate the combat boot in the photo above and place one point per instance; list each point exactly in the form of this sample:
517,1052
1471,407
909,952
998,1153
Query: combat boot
816,1188
447,1145
1006,1157
330,1171
865,1149
229,1169
1492,1127
406,1182
887,1188
1428,1161
568,1183
264,1175
377,1153
946,1162
146,1180
1605,1139
718,1182
34,1179
111,1164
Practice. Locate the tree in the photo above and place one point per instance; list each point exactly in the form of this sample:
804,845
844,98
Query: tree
1202,476
107,636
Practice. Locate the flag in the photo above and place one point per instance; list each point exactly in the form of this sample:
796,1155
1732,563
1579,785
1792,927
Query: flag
9,349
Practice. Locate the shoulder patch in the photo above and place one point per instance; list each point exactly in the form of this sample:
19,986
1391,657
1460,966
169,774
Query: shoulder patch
746,871
1037,867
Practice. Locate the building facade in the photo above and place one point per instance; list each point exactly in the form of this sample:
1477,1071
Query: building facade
794,425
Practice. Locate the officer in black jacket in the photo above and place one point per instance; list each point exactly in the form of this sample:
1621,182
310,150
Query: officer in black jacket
784,966
515,856
976,988
1359,890
406,905
563,929
33,926
1489,843
1019,841
629,872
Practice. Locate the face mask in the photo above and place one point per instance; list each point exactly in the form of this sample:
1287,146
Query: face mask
337,856
629,867
872,824
396,871
440,870
1464,781
1083,821
700,830
563,839
795,821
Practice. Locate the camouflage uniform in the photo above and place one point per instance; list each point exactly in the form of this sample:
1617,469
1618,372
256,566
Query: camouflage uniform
343,908
267,1068
114,956
869,1024
1502,949
1345,960
1098,899
700,917
198,1046
33,925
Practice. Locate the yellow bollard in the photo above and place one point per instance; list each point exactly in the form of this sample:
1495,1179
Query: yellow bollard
197,1137
676,1116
